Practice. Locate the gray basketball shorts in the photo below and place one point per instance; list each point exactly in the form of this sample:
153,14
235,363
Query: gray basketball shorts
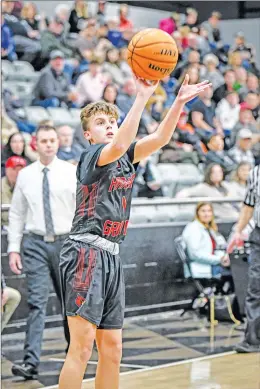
93,285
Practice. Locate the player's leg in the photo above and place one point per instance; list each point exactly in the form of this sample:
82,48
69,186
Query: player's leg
109,344
82,335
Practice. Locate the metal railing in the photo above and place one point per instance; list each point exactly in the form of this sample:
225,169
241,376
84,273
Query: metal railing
138,202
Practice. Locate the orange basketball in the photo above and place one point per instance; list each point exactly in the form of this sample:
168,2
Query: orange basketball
152,54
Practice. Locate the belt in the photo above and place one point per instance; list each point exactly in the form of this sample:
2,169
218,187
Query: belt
97,241
49,238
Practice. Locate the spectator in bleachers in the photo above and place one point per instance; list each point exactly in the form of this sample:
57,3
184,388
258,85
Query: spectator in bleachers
110,96
212,27
125,100
87,39
78,16
101,12
246,120
170,24
30,15
217,154
147,182
241,79
242,151
252,102
191,18
10,300
111,67
12,167
125,68
234,60
90,85
8,126
68,150
252,83
228,86
205,245
246,50
62,13
124,22
192,59
12,103
214,186
7,42
239,180
14,147
202,114
25,38
53,88
211,73
227,111
51,40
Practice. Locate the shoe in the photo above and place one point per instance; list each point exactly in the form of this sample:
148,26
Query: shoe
245,347
25,370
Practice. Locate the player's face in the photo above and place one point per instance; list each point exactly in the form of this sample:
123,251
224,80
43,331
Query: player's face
102,129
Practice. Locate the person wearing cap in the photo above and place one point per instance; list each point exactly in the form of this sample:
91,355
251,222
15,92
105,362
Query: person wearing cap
12,167
43,202
241,152
53,87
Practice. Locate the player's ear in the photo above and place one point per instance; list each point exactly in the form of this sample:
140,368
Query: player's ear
87,135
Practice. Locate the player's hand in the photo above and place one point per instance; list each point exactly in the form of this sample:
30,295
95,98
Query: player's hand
15,263
145,88
188,92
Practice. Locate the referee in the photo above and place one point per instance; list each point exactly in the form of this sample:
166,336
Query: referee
251,208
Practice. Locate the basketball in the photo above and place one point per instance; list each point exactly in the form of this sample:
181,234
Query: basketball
152,54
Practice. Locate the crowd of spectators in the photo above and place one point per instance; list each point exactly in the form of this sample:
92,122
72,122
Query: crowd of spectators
81,58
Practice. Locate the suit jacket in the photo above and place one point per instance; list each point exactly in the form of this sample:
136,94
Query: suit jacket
199,249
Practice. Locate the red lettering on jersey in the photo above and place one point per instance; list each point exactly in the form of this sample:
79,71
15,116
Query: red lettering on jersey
114,228
121,183
107,227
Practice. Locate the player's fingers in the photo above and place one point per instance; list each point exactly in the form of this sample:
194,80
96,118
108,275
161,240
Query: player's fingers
206,82
186,80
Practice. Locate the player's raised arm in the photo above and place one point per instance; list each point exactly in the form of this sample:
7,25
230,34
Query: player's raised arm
126,134
163,134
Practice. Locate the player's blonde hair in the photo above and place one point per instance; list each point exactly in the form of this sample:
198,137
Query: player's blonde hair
96,108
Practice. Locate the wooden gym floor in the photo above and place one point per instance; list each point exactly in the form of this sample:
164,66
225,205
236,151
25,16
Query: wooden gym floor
162,351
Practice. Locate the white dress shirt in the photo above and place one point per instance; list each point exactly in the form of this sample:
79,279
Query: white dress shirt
27,202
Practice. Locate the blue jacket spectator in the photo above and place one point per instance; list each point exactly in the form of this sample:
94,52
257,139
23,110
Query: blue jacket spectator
7,42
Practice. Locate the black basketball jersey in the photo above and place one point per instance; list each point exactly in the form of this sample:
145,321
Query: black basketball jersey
104,195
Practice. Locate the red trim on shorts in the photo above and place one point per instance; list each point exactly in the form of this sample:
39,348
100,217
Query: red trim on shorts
79,283
85,193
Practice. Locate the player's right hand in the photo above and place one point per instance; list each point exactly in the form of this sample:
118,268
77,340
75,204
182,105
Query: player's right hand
15,263
145,88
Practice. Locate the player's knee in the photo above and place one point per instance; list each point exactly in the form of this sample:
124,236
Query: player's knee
82,350
112,351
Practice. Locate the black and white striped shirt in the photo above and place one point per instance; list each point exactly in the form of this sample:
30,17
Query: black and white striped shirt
252,198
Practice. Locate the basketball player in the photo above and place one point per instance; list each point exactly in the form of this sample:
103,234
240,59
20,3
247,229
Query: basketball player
91,269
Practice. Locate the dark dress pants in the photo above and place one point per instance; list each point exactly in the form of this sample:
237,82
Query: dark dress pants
40,262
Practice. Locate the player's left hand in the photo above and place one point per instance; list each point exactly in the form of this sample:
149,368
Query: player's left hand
188,92
145,88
